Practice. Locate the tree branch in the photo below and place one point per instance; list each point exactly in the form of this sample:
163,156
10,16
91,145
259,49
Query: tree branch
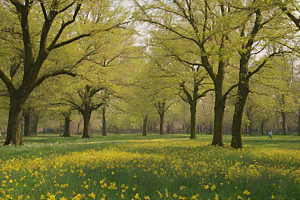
67,41
44,77
6,81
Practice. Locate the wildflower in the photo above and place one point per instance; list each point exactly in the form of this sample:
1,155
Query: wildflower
63,198
246,192
160,194
137,196
206,186
182,187
175,195
122,196
42,197
213,187
146,197
92,195
20,197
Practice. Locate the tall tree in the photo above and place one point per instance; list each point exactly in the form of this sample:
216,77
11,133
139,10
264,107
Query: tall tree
53,35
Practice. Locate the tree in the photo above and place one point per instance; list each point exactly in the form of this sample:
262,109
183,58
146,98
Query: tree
35,52
207,41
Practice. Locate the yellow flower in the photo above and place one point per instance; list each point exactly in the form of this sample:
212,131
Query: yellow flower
113,173
182,187
42,197
246,192
213,187
58,192
137,196
175,195
206,186
20,197
63,198
160,194
92,195
122,196
146,197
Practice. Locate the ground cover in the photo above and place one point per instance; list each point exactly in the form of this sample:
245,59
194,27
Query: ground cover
152,167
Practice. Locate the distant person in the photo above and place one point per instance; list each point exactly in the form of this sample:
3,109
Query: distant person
270,134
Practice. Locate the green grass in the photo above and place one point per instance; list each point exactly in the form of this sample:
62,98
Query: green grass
158,167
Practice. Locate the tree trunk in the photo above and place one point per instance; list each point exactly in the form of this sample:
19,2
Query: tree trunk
218,119
86,124
262,128
27,124
193,109
145,126
243,91
299,123
103,121
34,124
283,122
14,123
161,123
67,126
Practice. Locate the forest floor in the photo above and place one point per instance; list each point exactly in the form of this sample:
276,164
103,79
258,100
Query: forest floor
152,167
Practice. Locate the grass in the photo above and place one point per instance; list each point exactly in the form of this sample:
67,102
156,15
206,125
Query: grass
152,167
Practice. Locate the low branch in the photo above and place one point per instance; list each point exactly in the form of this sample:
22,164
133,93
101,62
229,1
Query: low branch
204,93
44,77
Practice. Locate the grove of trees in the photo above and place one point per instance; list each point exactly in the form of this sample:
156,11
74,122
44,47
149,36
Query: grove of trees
215,66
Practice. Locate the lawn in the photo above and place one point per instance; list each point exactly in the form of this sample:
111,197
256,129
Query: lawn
152,167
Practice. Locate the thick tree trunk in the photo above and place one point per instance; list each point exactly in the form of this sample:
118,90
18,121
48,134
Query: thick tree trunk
283,122
145,126
243,91
103,122
218,118
161,123
67,126
86,124
27,124
14,123
34,124
193,109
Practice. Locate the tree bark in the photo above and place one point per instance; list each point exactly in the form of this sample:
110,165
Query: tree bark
27,124
86,124
218,117
161,123
34,124
299,123
14,122
103,121
193,109
283,122
243,91
262,128
67,126
145,126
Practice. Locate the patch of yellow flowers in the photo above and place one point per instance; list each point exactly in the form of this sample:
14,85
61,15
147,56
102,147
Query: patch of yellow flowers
160,161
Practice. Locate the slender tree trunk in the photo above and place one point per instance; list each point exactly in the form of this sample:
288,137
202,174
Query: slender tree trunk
145,126
283,122
103,121
67,126
86,124
161,123
27,124
243,91
299,123
218,118
262,128
14,122
193,109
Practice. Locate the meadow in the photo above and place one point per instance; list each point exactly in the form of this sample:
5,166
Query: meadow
152,167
